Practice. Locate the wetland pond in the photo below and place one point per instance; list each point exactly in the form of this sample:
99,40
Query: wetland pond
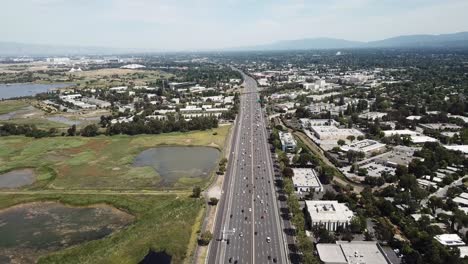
30,230
27,89
17,178
174,162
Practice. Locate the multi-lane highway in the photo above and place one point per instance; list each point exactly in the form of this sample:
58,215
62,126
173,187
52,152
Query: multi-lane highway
248,227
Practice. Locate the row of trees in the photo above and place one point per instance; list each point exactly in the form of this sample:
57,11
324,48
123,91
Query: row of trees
162,126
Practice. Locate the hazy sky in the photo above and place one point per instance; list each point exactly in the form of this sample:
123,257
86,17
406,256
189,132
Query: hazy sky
208,24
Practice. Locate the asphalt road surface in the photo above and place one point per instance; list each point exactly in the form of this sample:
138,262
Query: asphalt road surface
248,227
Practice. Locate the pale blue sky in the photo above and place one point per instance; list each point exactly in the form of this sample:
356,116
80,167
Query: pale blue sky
210,24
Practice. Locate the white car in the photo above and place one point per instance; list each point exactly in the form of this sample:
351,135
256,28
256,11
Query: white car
250,209
268,239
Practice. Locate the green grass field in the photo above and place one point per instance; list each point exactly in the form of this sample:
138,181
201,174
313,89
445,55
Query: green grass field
11,105
41,123
97,163
162,223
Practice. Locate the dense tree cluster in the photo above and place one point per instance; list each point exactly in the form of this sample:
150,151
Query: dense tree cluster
139,126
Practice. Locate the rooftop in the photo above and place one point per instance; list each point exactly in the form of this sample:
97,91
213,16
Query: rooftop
287,138
365,145
305,177
325,211
450,240
355,252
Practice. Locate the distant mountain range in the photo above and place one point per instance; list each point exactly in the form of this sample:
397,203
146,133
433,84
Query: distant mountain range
455,40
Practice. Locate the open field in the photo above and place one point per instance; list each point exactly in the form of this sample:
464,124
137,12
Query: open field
39,72
100,162
162,223
11,105
115,77
39,122
29,112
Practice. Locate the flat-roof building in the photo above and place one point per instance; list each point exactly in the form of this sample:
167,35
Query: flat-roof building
329,214
306,180
334,133
308,123
343,252
450,240
288,143
372,115
367,146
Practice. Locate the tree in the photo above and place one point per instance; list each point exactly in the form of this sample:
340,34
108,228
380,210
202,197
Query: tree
196,191
305,158
205,238
341,142
434,203
351,138
288,172
90,131
354,155
213,201
355,224
72,130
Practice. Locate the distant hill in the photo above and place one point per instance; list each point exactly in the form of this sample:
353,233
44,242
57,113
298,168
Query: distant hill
409,41
455,40
301,44
444,40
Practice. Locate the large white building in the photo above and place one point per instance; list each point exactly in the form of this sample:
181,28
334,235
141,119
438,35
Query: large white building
415,136
307,123
288,143
334,133
329,214
450,240
355,252
306,180
367,146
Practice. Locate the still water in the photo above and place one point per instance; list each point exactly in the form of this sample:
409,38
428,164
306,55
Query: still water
173,163
33,229
27,89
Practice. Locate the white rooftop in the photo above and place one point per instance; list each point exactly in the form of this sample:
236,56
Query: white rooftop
329,211
450,240
462,148
355,252
365,145
305,177
400,132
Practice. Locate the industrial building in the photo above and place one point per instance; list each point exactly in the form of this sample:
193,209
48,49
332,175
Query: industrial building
329,214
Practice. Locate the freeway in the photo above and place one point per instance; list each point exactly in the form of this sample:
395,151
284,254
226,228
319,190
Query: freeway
248,227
